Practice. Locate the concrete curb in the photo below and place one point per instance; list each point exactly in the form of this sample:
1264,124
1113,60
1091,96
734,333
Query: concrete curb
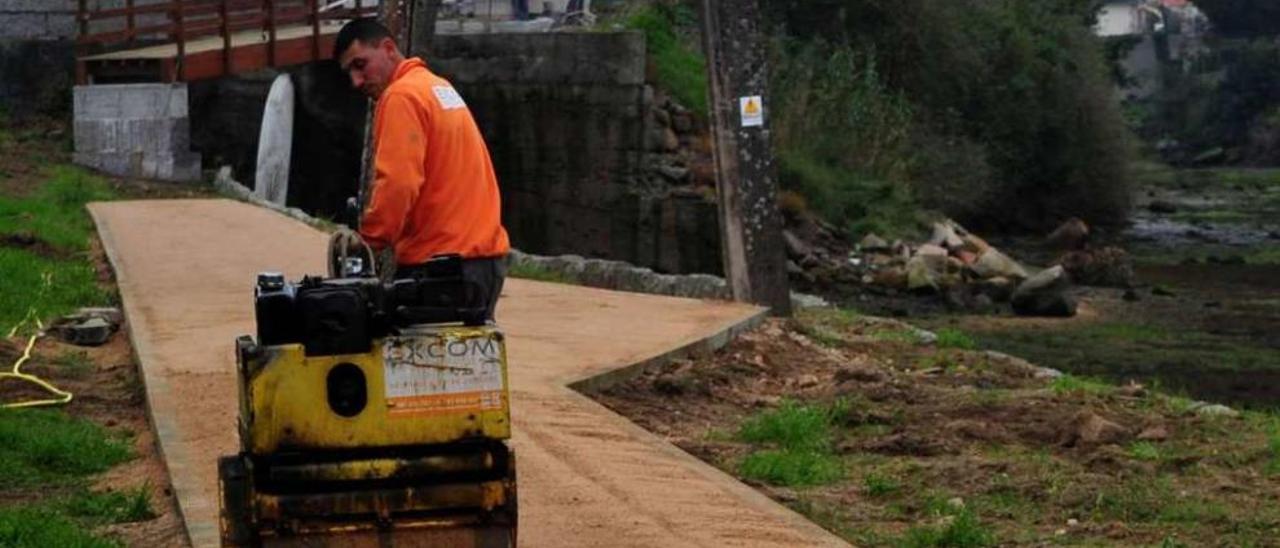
614,375
176,461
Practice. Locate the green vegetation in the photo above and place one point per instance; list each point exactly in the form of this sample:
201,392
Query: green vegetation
877,485
48,456
1145,450
1070,384
49,447
1273,448
112,506
883,111
44,239
37,527
954,338
988,111
681,68
959,528
800,437
54,213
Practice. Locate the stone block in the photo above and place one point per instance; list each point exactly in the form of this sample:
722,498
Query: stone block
131,101
132,135
177,167
39,6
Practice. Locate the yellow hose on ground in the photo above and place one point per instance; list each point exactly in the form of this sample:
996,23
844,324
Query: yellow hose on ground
63,397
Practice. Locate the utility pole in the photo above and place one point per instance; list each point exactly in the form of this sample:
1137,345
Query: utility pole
422,27
750,224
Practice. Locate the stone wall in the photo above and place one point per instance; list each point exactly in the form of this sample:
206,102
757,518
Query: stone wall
37,64
566,117
569,123
37,53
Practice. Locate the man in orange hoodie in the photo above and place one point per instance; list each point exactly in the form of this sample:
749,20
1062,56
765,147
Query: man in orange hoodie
434,190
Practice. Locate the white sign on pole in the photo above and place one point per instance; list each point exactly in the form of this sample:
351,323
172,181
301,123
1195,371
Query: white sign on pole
752,109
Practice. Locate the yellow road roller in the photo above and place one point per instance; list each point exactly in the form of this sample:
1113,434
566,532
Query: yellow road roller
372,413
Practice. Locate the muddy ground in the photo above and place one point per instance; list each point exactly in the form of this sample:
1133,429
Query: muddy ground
1037,461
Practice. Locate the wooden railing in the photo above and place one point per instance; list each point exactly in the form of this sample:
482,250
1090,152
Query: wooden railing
189,20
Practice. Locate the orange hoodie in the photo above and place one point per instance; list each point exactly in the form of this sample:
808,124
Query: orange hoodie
434,189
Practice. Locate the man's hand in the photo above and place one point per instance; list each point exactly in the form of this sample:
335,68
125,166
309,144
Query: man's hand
349,255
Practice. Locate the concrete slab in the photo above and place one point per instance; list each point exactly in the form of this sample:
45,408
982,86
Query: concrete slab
588,477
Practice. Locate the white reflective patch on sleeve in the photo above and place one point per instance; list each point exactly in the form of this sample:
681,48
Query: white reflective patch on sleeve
448,97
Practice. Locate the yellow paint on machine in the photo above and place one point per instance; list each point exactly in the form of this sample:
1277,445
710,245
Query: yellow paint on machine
435,400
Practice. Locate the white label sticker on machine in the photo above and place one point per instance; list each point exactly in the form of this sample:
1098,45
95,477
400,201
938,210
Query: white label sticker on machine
442,374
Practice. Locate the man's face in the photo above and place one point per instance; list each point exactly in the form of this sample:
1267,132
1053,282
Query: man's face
369,65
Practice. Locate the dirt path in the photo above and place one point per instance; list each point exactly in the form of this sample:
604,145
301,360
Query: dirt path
587,476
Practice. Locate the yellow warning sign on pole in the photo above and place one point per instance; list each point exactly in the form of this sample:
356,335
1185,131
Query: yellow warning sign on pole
752,108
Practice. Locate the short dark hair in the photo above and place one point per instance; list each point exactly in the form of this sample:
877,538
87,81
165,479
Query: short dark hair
365,29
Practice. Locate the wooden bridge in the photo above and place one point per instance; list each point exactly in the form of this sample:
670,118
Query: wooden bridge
187,40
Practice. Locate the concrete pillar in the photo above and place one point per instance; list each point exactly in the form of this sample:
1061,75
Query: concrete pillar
135,130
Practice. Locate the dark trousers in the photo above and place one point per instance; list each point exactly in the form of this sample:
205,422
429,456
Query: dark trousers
487,275
520,9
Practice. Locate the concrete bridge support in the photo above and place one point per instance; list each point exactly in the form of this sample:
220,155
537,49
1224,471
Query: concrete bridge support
135,130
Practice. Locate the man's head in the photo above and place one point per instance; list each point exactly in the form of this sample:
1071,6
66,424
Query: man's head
367,53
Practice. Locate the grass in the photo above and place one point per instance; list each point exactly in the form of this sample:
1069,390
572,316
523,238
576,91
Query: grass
50,447
793,468
904,336
954,338
792,426
54,213
1272,467
799,439
878,485
681,68
959,528
1145,450
1071,384
539,274
36,527
53,216
112,506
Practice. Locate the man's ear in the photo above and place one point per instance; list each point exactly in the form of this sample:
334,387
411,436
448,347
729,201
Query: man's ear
388,46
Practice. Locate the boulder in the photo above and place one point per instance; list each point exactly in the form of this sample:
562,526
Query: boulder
924,272
1070,235
944,234
895,277
999,289
88,326
872,242
796,248
1045,294
992,263
931,250
974,244
964,256
1104,267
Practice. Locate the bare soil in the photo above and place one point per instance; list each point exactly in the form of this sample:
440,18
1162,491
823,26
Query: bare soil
106,390
1037,465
